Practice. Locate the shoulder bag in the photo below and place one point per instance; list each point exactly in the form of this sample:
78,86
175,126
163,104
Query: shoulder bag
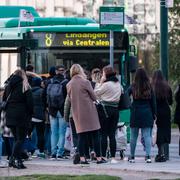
124,102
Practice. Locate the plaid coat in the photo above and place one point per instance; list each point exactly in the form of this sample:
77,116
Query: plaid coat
4,130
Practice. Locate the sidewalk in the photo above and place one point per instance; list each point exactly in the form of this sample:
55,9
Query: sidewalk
127,171
130,171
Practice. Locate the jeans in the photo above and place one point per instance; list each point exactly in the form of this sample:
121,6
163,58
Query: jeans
146,134
58,131
34,137
1,141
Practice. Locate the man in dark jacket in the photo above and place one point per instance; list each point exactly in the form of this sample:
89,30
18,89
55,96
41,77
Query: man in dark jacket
57,123
38,117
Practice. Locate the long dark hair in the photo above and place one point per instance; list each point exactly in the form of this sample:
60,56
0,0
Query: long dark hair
160,85
141,88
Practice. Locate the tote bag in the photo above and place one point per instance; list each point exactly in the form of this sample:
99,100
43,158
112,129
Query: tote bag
124,102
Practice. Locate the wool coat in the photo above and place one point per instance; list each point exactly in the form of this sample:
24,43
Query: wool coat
20,105
84,112
143,111
164,119
177,110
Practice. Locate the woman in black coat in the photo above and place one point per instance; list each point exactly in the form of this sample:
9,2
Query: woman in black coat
163,95
18,113
177,110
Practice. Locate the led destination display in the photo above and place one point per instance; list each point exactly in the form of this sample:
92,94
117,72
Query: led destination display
70,39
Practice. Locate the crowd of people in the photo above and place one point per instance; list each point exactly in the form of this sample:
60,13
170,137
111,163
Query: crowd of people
39,110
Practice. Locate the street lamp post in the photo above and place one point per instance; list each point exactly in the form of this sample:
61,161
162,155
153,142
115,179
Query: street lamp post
164,50
164,38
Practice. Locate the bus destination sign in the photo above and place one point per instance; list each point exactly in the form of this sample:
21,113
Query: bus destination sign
70,39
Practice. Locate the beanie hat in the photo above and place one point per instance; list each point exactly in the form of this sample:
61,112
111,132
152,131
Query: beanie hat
36,81
52,71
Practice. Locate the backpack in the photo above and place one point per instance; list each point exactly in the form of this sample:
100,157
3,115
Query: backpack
55,97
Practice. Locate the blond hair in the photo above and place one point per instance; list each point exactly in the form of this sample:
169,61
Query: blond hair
25,83
76,69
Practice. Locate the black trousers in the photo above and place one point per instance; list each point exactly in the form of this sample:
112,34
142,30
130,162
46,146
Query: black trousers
40,129
19,134
88,142
108,130
74,134
8,146
82,141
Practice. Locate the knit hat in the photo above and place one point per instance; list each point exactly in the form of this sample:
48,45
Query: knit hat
52,71
36,81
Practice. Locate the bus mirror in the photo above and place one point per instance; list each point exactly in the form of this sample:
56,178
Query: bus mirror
133,64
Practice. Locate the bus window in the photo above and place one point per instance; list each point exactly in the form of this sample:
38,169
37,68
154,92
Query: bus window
8,64
43,60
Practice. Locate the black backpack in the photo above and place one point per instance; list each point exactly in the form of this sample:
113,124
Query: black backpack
55,97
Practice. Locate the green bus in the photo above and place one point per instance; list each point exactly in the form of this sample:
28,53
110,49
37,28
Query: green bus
48,42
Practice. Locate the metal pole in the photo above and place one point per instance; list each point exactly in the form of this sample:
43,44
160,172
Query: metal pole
111,48
164,39
23,55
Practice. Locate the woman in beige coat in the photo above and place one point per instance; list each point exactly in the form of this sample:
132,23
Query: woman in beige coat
84,111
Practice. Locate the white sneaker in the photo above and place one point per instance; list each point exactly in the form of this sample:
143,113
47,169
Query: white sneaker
3,164
114,161
148,159
131,159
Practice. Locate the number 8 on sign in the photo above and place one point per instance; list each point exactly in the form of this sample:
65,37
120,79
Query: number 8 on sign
48,40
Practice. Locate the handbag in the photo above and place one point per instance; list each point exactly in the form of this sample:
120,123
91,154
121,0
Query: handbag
154,134
124,102
101,109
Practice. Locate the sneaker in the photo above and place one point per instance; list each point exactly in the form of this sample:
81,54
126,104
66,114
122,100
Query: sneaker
62,157
131,159
101,161
84,162
53,157
114,161
41,155
3,164
148,159
35,154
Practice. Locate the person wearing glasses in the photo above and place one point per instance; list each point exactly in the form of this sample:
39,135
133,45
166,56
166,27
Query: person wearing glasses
57,122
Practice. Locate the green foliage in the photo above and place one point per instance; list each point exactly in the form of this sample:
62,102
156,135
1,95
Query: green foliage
174,42
62,177
174,46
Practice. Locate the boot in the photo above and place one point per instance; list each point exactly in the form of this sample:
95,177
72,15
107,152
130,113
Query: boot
12,162
160,158
20,164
